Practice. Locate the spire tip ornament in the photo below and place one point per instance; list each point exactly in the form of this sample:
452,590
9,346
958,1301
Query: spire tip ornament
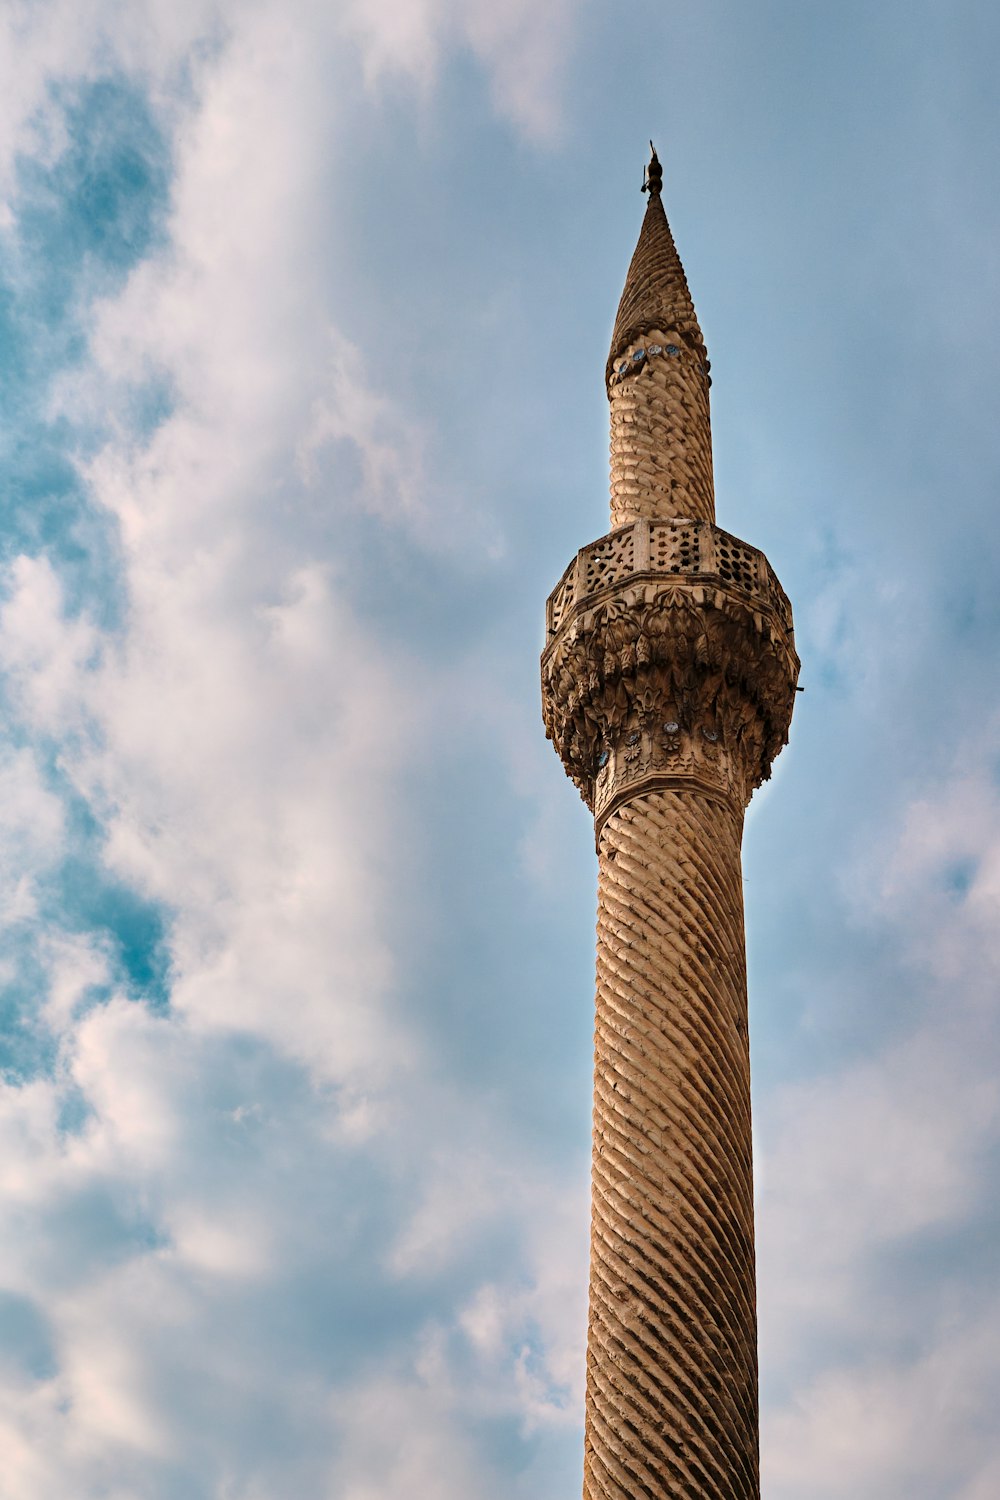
652,181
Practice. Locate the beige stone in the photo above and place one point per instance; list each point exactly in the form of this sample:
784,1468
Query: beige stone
668,681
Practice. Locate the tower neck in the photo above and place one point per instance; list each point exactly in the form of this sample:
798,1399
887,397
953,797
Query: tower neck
657,382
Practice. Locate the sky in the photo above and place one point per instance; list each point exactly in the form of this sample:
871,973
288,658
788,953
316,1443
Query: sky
304,309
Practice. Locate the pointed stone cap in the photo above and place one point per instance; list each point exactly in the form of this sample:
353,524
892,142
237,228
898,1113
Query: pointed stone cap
656,292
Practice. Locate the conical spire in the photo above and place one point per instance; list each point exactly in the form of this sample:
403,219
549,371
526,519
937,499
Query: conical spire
657,382
656,295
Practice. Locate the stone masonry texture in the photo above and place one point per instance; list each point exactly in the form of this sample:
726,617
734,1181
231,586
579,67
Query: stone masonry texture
672,1372
668,680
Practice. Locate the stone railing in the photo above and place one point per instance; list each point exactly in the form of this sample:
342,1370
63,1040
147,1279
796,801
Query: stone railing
662,550
670,662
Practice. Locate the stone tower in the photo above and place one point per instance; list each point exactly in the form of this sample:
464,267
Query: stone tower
668,679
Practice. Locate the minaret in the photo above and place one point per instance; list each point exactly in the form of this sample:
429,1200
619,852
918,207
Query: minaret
668,680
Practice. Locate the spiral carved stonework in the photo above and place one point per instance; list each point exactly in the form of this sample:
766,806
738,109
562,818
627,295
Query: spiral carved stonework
658,381
668,680
672,1377
661,445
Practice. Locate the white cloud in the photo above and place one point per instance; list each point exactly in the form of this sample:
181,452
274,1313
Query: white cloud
196,1197
523,1330
923,1428
43,653
522,47
32,826
182,1181
398,1440
891,1155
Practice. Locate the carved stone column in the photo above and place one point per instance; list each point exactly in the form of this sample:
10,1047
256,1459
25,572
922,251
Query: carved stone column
668,680
668,683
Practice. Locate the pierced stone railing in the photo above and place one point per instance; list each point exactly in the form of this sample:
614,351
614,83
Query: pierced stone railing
660,550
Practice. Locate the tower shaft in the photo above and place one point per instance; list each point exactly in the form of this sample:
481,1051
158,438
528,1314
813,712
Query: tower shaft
671,1406
661,446
667,688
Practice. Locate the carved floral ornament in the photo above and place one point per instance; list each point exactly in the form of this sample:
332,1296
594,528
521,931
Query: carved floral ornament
659,683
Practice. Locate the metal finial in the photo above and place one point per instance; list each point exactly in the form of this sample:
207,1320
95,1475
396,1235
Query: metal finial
652,181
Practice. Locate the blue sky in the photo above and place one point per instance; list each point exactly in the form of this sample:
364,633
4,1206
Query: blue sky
303,317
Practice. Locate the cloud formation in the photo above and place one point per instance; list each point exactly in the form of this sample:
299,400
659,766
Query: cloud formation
296,971
195,1170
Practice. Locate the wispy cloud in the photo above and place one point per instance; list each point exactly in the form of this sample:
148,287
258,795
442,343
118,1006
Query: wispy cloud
194,1169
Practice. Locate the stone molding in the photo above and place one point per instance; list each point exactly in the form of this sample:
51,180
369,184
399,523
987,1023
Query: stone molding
670,662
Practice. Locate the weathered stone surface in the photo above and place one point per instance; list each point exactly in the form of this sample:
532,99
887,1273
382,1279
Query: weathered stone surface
672,1347
656,292
661,437
668,681
670,663
657,379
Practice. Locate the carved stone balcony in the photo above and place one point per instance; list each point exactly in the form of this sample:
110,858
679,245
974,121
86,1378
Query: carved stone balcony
670,661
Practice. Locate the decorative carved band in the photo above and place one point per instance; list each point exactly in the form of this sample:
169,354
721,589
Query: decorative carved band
665,549
670,663
621,791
